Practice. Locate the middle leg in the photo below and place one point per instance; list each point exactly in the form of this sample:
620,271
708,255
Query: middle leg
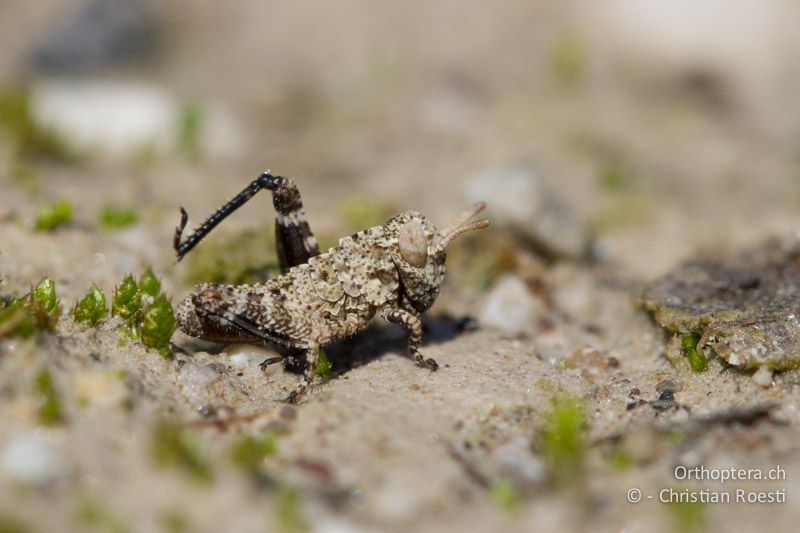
413,326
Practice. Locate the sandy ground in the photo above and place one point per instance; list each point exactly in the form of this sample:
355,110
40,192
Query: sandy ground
406,106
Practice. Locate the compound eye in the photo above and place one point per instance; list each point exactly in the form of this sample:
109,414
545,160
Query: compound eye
413,244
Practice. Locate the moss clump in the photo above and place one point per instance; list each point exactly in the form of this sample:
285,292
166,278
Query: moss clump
324,367
42,304
53,216
15,320
92,513
126,303
287,511
173,446
147,312
562,443
249,452
619,459
158,325
116,217
12,524
37,311
29,139
688,517
174,522
696,358
569,60
362,212
50,412
149,283
613,179
505,496
91,308
190,130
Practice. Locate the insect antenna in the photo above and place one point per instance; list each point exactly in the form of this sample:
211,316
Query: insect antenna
460,226
264,181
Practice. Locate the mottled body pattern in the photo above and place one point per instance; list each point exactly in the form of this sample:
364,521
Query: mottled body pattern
395,269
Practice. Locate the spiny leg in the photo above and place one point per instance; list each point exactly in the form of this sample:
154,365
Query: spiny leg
294,241
312,356
413,326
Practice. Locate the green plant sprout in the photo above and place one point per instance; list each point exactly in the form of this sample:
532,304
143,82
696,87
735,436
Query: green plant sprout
36,311
158,325
562,441
53,216
173,446
696,358
50,412
91,308
116,217
149,283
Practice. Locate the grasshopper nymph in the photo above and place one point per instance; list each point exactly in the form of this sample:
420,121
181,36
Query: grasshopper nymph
395,269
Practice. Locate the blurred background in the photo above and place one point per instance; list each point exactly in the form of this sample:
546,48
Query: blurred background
626,134
658,126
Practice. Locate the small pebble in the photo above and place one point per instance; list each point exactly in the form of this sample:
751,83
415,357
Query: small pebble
511,307
669,384
763,376
31,460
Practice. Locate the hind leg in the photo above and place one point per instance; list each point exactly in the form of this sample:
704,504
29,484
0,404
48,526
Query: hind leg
294,241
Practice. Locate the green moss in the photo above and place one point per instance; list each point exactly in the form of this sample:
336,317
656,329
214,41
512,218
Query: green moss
12,524
44,294
26,177
613,179
249,452
126,302
696,358
53,216
361,212
29,139
190,130
562,443
15,319
505,496
174,522
149,283
233,258
50,412
37,311
619,459
150,319
93,514
324,367
91,308
173,446
287,511
158,325
688,517
568,60
115,217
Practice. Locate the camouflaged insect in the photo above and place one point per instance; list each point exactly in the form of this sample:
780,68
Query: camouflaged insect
395,269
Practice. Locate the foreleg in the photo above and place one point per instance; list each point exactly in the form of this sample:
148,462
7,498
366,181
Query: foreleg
413,326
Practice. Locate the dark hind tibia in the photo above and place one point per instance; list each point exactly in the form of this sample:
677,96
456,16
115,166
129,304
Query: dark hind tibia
294,233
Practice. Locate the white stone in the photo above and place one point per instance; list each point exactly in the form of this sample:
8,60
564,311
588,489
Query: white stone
123,117
510,307
763,376
244,357
29,459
